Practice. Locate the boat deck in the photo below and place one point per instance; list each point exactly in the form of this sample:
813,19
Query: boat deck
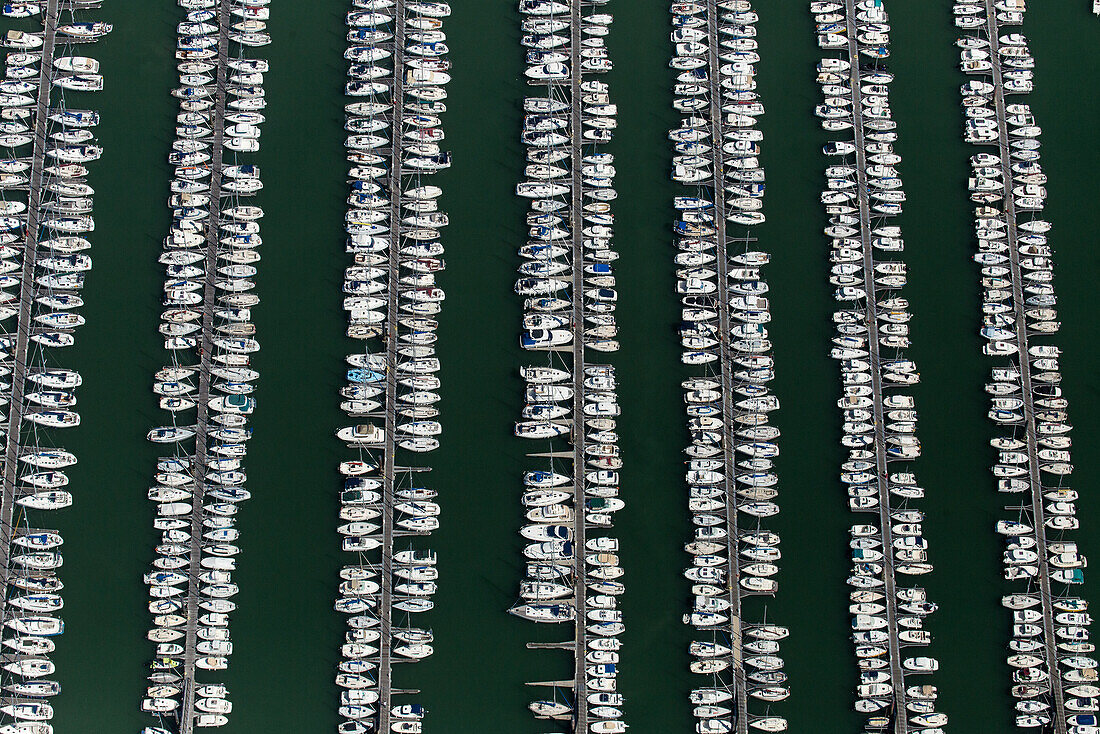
27,292
1037,510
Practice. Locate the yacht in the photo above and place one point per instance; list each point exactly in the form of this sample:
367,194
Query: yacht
365,434
545,612
170,434
539,429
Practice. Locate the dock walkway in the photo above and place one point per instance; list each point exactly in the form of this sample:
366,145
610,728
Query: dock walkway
202,409
576,224
1037,510
28,289
389,469
900,717
726,367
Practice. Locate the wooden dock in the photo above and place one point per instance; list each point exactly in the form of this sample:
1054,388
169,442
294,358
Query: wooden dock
900,721
725,376
576,226
206,351
389,478
1037,509
27,292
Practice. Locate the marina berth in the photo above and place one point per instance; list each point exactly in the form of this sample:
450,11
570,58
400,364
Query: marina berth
204,387
46,221
863,198
567,282
569,562
729,470
1032,448
395,101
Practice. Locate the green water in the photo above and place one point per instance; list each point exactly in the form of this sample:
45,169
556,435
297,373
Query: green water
286,637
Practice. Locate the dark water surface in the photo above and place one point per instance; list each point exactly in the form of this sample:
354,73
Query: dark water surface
286,637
